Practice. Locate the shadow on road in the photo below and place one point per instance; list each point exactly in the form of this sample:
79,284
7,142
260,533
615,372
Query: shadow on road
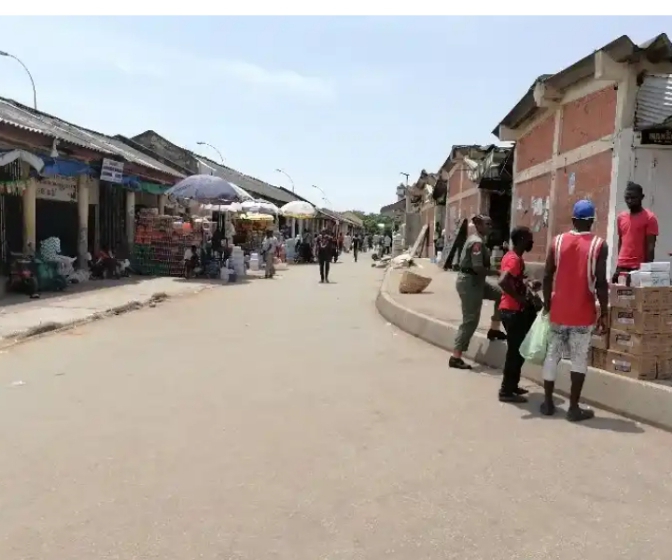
621,425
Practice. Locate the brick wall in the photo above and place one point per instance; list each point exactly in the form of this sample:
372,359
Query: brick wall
588,119
526,193
537,145
454,183
470,205
592,180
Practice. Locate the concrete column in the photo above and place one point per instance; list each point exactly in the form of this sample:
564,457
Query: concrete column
162,204
293,226
130,217
301,227
83,218
29,216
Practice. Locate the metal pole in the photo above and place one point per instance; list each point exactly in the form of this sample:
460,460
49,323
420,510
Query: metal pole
32,82
324,196
221,157
288,176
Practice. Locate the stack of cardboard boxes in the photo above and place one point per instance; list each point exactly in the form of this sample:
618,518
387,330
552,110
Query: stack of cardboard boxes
638,343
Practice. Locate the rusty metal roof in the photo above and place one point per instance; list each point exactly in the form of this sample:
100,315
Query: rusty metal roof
623,49
23,117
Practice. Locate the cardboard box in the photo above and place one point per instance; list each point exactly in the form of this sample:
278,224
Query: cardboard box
641,299
598,358
641,279
664,368
658,266
634,321
633,343
600,341
635,367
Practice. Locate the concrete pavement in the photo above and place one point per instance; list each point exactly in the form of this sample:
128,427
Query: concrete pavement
286,419
21,316
435,315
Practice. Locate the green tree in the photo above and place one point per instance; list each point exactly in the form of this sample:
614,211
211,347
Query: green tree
372,220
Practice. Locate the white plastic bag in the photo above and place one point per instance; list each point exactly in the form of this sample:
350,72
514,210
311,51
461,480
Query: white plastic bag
533,348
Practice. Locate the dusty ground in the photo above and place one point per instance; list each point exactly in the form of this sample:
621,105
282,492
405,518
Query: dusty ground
285,419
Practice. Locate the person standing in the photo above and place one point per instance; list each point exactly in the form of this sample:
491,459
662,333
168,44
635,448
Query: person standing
473,288
637,232
356,245
575,272
268,248
325,246
518,308
387,243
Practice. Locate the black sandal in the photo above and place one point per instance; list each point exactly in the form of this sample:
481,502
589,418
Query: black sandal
458,363
580,414
547,409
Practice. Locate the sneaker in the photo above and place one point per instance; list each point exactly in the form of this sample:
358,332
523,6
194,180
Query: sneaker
458,363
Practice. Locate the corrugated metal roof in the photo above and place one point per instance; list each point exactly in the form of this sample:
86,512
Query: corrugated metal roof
25,118
654,101
623,49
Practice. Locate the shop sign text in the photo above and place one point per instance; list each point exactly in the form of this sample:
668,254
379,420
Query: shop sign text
61,189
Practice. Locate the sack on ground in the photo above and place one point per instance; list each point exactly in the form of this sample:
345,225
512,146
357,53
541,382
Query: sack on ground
533,348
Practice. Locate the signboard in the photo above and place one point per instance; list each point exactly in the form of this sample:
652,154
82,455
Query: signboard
657,136
112,171
60,189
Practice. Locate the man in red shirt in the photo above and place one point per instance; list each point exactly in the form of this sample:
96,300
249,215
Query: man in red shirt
637,232
517,309
575,273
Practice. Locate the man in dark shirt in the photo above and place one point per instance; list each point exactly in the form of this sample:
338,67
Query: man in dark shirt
325,246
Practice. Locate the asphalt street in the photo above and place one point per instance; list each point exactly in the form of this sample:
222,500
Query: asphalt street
285,419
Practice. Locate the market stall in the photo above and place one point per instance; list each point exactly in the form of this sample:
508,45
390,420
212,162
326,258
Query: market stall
250,230
161,241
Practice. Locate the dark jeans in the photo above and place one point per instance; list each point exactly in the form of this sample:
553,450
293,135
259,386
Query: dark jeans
325,262
517,325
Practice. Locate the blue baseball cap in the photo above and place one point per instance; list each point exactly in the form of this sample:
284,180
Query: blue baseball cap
584,210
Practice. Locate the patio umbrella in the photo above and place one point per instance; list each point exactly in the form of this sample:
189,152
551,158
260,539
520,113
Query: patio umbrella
260,207
257,217
298,209
244,195
206,188
233,208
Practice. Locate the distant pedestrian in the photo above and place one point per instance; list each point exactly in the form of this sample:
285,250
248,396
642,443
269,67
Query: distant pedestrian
268,249
576,272
387,244
356,246
325,247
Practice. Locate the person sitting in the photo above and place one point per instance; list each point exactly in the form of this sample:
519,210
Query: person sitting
104,265
191,261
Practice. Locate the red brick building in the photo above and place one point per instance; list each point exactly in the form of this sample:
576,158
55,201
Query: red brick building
578,134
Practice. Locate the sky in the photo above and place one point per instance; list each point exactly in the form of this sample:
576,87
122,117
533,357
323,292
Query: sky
345,103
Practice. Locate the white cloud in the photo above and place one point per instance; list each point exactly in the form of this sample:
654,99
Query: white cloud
133,57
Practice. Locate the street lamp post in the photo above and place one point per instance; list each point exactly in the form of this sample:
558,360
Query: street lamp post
288,177
32,82
407,175
324,196
221,157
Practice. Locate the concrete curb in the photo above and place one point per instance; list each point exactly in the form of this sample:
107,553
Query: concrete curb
645,402
46,329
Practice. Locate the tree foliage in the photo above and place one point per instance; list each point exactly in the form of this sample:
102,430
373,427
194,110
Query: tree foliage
372,220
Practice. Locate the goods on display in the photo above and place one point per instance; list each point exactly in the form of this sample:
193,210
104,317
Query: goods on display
160,243
638,343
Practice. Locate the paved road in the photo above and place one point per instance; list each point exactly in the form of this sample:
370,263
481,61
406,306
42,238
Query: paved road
285,420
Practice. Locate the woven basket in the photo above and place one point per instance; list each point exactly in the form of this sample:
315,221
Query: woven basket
412,283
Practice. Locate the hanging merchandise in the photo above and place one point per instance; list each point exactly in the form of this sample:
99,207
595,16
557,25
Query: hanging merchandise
161,241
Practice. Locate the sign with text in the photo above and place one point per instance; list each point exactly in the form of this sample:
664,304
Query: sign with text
112,171
60,189
657,136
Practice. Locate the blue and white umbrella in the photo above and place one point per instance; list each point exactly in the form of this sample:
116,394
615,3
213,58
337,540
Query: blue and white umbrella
207,189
